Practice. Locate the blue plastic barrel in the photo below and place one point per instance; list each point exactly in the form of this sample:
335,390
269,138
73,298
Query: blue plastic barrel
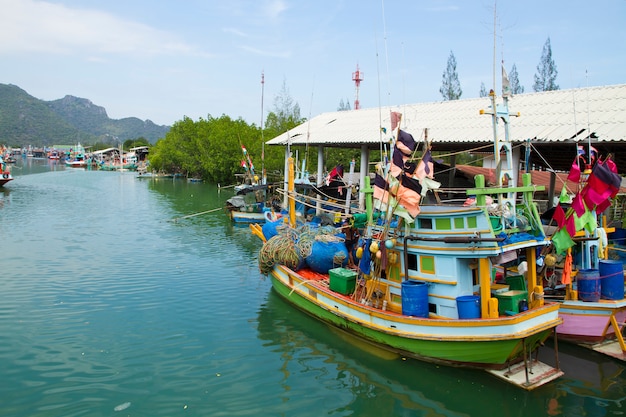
414,298
588,281
468,306
612,279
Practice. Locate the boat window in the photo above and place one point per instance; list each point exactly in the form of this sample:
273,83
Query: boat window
427,264
471,222
412,261
459,223
426,223
443,223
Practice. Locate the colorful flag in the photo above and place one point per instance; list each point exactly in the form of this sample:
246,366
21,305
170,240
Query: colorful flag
403,149
425,167
574,172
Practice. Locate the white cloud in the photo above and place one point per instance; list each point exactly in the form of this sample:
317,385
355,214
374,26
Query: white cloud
38,26
274,8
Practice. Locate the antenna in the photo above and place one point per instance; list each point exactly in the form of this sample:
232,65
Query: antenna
357,77
263,173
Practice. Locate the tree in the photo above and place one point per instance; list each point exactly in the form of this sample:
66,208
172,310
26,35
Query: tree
344,105
286,113
545,78
515,86
483,90
450,87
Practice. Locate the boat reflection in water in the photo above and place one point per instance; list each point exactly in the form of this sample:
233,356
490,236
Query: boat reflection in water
384,383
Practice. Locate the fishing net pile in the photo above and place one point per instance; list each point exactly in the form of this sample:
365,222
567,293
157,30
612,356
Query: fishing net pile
320,248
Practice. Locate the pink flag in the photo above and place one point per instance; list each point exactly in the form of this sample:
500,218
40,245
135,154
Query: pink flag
395,119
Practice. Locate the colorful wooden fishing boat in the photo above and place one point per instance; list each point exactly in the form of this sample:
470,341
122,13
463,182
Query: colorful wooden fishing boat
424,285
5,174
76,157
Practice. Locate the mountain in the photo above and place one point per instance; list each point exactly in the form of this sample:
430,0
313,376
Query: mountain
26,120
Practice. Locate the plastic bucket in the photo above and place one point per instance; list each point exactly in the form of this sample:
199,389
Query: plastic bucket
612,279
588,283
468,306
414,298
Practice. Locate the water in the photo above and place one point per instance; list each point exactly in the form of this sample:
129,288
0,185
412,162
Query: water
114,304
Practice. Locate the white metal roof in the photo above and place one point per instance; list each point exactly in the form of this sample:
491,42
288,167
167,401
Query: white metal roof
552,116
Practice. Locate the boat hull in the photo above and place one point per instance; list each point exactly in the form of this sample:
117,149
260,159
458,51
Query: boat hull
593,325
479,343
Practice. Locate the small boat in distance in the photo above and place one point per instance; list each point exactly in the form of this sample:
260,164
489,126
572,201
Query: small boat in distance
76,157
5,174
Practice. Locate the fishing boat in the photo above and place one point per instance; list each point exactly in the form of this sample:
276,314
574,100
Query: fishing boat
579,272
422,280
76,157
5,174
252,202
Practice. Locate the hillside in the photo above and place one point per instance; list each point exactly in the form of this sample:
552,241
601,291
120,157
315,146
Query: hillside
26,120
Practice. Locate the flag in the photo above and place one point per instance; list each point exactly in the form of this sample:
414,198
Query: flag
562,241
409,194
403,149
559,215
381,190
506,84
574,172
426,166
395,119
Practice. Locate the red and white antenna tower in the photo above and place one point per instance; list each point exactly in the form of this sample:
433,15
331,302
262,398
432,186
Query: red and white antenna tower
357,77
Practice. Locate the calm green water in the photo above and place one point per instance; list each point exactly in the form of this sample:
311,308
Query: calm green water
108,307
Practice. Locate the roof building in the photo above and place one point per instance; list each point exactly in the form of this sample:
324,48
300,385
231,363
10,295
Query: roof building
554,123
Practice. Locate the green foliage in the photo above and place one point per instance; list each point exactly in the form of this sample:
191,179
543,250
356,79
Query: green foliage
515,86
545,78
210,149
483,90
134,143
450,86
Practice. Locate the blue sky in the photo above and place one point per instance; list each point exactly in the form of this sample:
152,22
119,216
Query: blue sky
164,60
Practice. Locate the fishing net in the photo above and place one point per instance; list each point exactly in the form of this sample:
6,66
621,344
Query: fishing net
290,247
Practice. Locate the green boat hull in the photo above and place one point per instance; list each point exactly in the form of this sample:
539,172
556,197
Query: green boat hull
485,354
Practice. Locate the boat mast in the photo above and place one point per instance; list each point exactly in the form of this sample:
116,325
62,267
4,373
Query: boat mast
504,168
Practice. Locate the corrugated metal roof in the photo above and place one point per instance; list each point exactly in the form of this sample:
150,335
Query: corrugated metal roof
553,116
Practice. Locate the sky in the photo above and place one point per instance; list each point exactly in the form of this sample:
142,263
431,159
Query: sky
165,60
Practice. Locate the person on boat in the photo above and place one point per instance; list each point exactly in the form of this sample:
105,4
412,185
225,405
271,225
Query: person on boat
352,237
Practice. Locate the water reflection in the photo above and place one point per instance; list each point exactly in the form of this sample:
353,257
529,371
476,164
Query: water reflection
387,385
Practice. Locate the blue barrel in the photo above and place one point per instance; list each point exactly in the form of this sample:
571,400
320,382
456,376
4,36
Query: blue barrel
588,281
468,306
612,279
414,298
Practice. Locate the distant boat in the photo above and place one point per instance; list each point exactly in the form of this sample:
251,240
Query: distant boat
5,174
76,157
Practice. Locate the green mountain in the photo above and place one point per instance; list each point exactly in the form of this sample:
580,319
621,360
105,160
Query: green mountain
26,120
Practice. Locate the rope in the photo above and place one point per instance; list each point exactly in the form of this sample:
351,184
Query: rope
197,214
